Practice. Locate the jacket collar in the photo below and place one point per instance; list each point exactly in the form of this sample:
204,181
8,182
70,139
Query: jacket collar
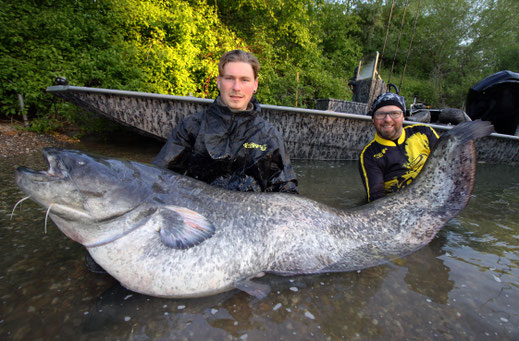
226,130
390,143
252,108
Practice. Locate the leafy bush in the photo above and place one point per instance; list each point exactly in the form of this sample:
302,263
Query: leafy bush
308,49
168,47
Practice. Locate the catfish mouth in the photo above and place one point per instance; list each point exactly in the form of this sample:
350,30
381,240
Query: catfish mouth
61,197
56,169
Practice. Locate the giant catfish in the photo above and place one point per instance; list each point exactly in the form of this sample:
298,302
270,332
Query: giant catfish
167,235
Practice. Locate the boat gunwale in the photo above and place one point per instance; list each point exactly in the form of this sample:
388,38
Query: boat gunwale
137,94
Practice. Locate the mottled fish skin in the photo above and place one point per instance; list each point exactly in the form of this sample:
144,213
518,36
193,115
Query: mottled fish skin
116,208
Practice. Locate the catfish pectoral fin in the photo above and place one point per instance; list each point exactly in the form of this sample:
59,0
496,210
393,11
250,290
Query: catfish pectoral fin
181,228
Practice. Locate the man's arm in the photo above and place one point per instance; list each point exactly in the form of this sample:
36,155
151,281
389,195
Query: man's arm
285,182
433,137
372,177
283,177
173,153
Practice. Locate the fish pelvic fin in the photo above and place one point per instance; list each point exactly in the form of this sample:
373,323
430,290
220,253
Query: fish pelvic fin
181,228
258,290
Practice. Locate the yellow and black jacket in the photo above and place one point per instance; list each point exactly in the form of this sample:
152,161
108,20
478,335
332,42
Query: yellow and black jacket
388,166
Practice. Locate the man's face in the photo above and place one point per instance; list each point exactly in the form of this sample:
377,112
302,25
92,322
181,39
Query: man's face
387,127
237,85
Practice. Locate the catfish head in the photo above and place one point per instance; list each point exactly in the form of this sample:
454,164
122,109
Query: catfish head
84,193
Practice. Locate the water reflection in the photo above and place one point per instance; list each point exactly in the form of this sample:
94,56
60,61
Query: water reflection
463,285
422,264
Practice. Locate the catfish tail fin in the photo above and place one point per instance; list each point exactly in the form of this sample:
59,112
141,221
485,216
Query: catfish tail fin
471,130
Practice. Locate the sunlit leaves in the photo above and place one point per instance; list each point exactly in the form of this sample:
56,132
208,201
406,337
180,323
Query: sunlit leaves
169,47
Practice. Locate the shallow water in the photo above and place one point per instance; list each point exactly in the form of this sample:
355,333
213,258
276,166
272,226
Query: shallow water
463,285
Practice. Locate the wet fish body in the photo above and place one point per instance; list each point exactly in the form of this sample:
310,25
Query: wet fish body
167,235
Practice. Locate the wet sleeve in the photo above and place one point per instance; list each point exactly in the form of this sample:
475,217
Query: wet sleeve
286,182
283,177
433,137
179,143
372,177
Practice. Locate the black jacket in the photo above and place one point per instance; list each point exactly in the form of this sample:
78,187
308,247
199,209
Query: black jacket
234,150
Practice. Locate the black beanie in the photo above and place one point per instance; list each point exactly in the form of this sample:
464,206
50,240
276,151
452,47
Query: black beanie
389,98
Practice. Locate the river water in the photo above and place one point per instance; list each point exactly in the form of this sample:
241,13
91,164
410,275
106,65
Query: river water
463,285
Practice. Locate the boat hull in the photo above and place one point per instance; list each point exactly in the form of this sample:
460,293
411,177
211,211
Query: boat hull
309,134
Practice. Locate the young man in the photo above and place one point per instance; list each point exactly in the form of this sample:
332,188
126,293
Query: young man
396,155
229,145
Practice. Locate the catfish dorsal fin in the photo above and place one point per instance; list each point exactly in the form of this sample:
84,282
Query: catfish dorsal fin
181,228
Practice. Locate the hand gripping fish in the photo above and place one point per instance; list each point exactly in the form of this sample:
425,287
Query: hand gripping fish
163,234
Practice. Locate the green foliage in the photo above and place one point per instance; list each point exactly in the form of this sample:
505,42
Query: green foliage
308,49
177,44
169,47
44,125
455,44
42,40
508,57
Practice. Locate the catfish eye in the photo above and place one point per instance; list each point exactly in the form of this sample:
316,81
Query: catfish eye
81,163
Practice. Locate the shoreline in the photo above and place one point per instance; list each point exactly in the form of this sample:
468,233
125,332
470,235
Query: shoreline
15,141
